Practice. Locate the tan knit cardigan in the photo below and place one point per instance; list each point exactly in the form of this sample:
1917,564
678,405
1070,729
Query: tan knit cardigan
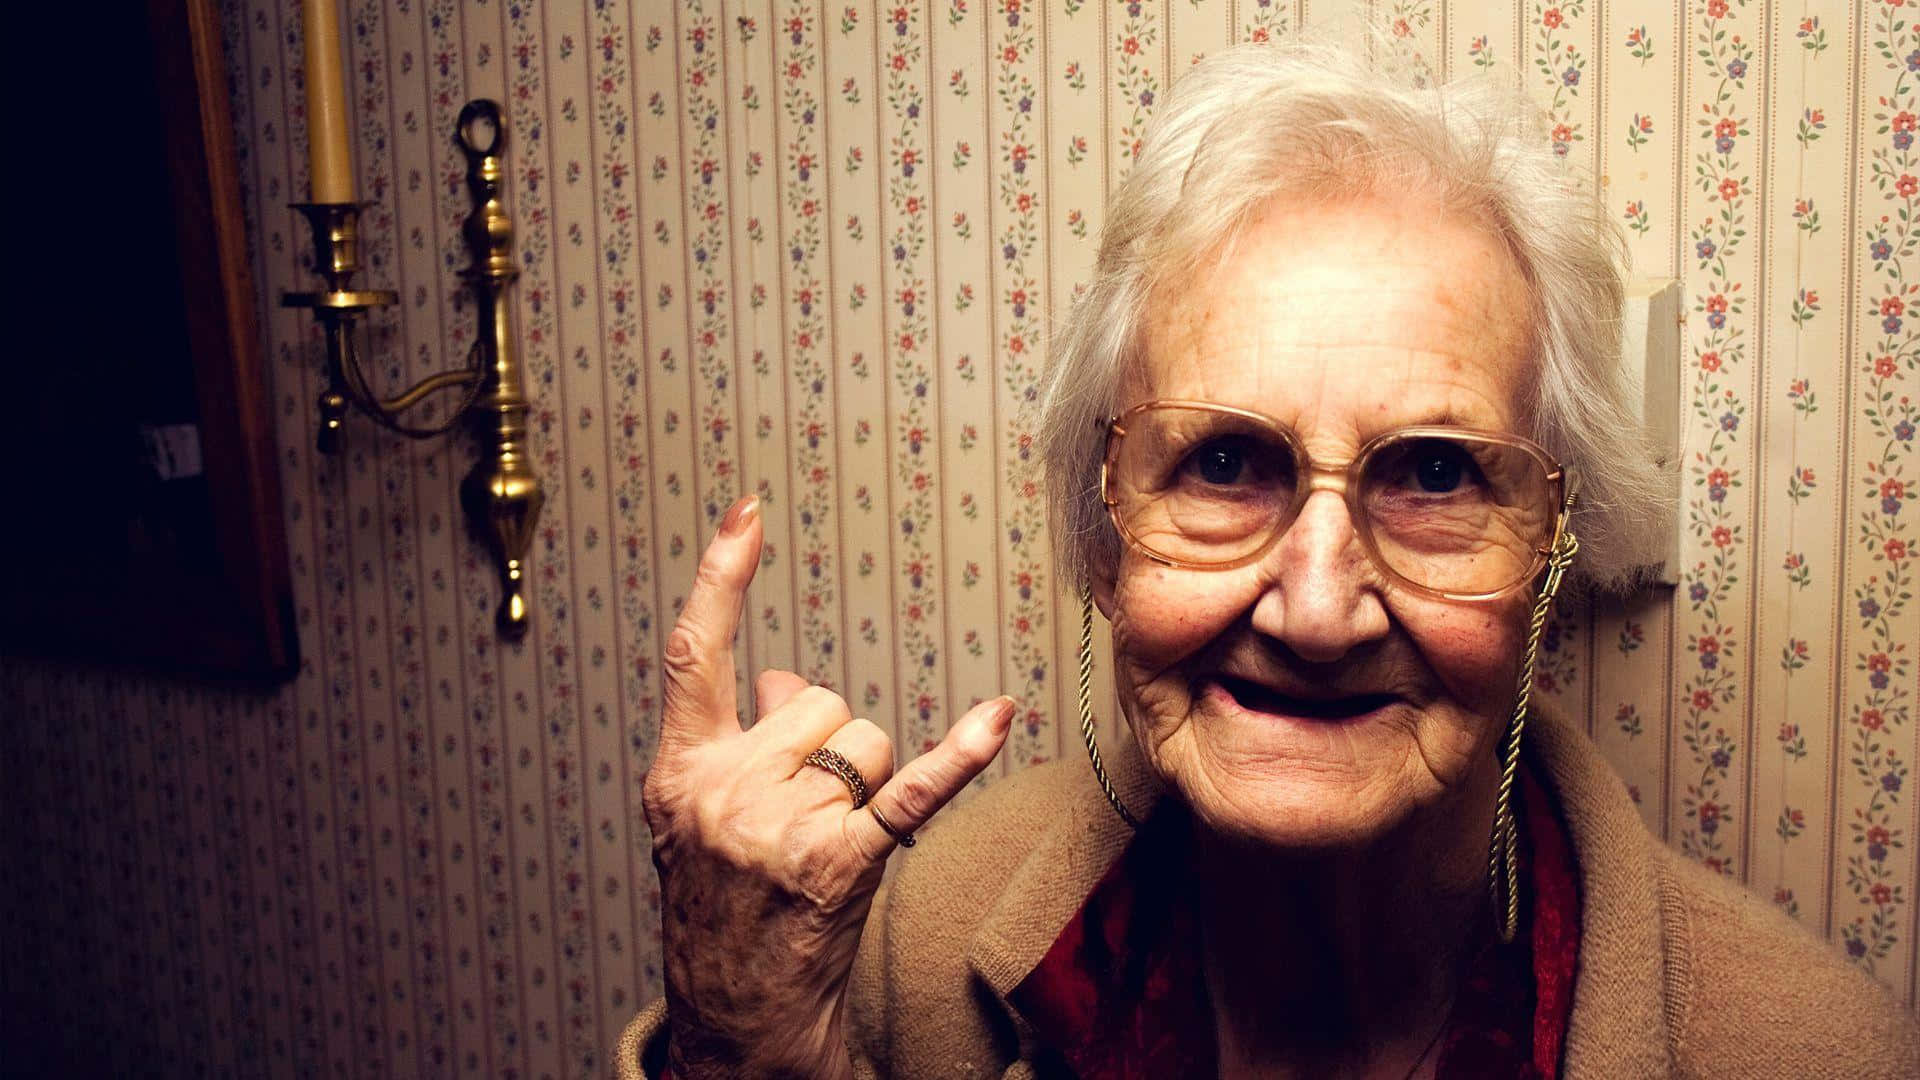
1681,972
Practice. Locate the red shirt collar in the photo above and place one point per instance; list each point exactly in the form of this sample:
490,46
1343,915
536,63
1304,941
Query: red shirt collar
1120,993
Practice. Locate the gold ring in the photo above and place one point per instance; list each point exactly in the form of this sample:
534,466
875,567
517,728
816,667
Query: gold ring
836,763
903,839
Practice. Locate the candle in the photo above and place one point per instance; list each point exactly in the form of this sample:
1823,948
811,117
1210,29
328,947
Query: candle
329,156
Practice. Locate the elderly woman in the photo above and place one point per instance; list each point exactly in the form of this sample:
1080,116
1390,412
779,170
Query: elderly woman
1334,416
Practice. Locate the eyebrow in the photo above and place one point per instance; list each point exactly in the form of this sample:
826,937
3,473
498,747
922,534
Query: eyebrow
1443,416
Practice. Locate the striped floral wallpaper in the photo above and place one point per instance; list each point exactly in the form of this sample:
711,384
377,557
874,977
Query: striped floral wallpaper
811,249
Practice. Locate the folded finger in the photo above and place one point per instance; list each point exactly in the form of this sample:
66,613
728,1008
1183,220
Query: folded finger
774,688
699,700
800,726
865,747
922,786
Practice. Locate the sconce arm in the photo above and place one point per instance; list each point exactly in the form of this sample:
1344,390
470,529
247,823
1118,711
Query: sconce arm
412,395
386,412
336,236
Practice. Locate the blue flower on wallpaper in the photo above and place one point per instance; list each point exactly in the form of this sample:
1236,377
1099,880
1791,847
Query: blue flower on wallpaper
1869,608
1697,592
1903,431
1880,250
1736,68
1890,324
1724,144
1891,782
1913,61
1705,249
1902,140
1571,76
1729,422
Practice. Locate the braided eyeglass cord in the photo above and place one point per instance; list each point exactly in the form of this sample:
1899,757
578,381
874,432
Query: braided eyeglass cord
1503,855
1086,706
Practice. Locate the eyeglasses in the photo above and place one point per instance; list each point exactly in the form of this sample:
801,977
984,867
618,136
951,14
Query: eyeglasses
1452,513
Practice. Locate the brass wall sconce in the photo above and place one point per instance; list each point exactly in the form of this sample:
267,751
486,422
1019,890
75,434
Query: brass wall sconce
501,494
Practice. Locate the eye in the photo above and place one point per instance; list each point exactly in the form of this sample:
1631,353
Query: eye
1219,465
1432,469
1220,462
1439,470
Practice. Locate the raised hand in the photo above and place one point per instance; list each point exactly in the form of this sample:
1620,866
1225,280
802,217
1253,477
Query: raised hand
767,871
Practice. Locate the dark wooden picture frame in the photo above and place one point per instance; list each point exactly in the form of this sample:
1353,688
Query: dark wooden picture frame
183,570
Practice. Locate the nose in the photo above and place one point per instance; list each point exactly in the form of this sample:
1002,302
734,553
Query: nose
1322,595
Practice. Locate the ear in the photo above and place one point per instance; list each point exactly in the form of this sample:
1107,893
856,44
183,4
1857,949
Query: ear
1100,575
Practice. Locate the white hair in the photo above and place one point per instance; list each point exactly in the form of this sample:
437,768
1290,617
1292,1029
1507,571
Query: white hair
1316,124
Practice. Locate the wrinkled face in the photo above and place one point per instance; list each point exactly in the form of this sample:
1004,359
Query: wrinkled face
1303,700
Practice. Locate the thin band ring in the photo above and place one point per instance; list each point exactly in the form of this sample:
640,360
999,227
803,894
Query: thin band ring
836,763
903,839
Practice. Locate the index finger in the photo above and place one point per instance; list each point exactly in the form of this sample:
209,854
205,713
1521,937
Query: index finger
700,700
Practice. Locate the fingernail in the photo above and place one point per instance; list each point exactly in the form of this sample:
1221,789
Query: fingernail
1002,714
739,514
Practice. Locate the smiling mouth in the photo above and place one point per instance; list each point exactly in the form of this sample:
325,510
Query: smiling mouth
1262,699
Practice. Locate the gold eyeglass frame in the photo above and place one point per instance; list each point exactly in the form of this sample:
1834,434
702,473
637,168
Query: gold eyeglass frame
1347,479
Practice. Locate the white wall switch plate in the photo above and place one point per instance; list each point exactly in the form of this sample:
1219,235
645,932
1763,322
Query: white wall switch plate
1650,344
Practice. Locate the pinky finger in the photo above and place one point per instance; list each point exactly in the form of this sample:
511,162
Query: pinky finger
927,783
